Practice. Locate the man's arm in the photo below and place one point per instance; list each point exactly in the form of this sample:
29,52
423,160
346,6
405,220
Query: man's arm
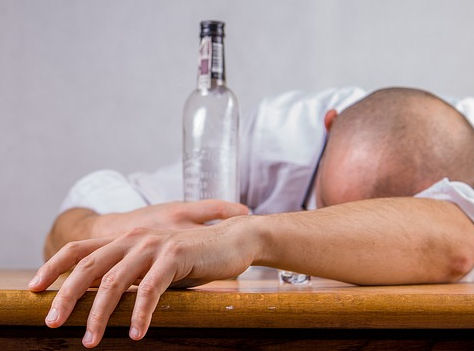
81,223
74,224
377,241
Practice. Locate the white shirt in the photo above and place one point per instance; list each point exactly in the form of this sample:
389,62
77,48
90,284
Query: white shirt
281,144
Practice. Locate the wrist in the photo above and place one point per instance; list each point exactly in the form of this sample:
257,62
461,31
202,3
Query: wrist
263,239
253,234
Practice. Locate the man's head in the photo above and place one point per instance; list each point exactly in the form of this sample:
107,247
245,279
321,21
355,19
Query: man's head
394,142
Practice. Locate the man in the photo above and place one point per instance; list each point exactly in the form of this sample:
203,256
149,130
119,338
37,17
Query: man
368,229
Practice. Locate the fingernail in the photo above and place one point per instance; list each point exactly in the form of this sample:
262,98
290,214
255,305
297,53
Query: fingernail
134,333
52,315
35,281
87,339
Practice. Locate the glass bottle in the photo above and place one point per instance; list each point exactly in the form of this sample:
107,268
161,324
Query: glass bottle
210,126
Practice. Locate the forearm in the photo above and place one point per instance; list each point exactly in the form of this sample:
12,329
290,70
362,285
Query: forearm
74,224
81,223
378,241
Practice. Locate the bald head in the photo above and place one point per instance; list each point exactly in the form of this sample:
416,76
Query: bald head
394,142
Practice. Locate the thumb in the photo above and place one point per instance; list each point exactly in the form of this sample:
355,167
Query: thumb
208,210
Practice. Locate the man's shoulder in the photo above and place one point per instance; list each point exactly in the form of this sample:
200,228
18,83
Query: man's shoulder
337,98
287,138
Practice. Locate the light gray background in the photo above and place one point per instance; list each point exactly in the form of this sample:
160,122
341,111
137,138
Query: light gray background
86,85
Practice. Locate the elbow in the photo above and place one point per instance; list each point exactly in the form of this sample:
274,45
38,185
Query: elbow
47,248
458,266
459,255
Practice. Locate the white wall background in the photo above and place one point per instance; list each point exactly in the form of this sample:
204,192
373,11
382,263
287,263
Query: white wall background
88,84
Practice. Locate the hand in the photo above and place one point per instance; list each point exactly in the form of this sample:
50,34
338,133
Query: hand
172,215
186,258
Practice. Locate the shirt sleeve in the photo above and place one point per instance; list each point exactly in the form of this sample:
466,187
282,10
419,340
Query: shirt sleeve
459,193
164,185
246,154
104,191
108,191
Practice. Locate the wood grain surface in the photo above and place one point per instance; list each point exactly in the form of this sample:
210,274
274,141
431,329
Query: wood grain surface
263,303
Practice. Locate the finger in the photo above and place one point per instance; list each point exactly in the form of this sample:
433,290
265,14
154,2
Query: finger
113,284
207,210
152,286
87,270
69,255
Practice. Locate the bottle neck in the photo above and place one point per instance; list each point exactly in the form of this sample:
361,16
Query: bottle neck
211,70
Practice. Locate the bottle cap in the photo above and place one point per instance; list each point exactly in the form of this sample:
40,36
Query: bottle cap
212,29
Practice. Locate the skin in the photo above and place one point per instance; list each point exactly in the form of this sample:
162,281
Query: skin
340,176
81,223
399,240
416,240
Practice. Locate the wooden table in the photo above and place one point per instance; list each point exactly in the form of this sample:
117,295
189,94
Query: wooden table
258,314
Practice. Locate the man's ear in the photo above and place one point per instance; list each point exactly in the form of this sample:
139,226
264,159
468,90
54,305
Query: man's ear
329,118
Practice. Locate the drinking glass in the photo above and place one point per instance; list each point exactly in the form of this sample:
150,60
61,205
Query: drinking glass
287,277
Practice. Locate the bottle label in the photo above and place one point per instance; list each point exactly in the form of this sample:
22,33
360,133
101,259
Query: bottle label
217,62
211,61
205,56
